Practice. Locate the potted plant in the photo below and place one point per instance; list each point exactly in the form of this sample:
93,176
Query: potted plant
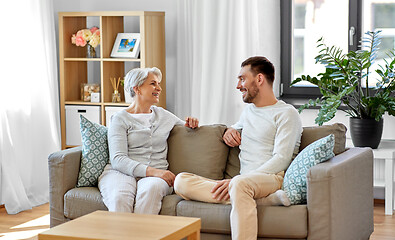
342,85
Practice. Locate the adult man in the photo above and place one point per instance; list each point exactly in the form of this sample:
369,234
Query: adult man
270,138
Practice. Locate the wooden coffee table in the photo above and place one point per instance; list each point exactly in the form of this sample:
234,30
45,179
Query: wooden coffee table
114,225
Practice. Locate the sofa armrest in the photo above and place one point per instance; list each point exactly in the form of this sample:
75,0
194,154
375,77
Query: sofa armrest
63,174
340,196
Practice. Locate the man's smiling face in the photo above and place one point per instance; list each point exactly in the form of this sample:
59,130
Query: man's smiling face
247,84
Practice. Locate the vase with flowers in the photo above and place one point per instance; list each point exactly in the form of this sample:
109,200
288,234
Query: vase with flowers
87,37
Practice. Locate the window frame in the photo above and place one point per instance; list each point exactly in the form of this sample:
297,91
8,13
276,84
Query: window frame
286,16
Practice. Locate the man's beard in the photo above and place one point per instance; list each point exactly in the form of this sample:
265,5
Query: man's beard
251,94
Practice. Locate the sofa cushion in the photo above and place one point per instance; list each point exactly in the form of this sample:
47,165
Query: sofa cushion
312,134
193,150
94,152
81,201
233,164
295,180
169,204
273,221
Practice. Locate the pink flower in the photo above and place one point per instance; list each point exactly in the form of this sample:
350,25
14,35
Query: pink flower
79,41
73,39
80,33
93,29
97,32
86,36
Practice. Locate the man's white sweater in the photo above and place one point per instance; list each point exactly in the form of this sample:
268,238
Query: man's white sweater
270,138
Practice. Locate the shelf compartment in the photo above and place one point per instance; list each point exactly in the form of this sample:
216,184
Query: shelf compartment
112,70
73,112
76,73
72,25
67,27
111,25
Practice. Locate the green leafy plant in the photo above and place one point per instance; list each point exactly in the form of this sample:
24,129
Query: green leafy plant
341,83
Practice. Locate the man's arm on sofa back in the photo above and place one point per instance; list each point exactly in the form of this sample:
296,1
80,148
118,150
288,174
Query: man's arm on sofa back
340,196
63,174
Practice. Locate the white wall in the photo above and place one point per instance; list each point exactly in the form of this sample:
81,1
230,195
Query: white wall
168,6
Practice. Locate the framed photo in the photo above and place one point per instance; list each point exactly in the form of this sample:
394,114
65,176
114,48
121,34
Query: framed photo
126,45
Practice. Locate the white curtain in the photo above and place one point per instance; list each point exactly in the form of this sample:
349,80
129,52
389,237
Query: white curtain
213,39
29,108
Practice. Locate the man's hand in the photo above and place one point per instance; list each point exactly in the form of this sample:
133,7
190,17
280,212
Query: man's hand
232,137
164,174
191,122
220,190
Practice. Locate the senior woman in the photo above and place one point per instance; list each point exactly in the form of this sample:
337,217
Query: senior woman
137,179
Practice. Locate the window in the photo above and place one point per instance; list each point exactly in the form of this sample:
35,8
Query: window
340,23
380,15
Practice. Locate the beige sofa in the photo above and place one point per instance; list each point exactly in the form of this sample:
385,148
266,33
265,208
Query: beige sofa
340,191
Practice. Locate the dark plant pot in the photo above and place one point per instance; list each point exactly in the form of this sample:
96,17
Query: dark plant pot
366,132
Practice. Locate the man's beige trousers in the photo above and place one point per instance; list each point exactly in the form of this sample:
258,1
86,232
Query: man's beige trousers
243,191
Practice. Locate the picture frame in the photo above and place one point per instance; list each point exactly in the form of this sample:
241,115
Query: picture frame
126,45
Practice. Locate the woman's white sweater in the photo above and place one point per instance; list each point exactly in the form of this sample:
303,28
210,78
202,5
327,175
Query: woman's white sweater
134,145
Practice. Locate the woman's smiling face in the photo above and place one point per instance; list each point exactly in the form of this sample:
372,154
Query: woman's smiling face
150,90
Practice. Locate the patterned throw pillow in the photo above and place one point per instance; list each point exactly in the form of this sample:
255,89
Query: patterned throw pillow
295,184
94,152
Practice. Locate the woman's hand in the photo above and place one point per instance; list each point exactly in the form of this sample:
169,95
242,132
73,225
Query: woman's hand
232,137
191,122
164,174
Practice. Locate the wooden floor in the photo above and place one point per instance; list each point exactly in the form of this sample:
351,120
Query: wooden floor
384,226
27,224
24,225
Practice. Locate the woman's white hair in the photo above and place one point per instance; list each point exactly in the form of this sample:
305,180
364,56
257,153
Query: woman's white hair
137,76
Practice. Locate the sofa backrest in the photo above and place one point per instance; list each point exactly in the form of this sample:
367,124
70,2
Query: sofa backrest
194,150
233,164
309,135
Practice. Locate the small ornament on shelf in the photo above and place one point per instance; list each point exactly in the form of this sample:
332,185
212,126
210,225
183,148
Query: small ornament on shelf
95,97
87,36
116,96
87,89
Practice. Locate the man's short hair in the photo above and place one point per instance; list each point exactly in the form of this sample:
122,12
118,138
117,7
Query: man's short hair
260,65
